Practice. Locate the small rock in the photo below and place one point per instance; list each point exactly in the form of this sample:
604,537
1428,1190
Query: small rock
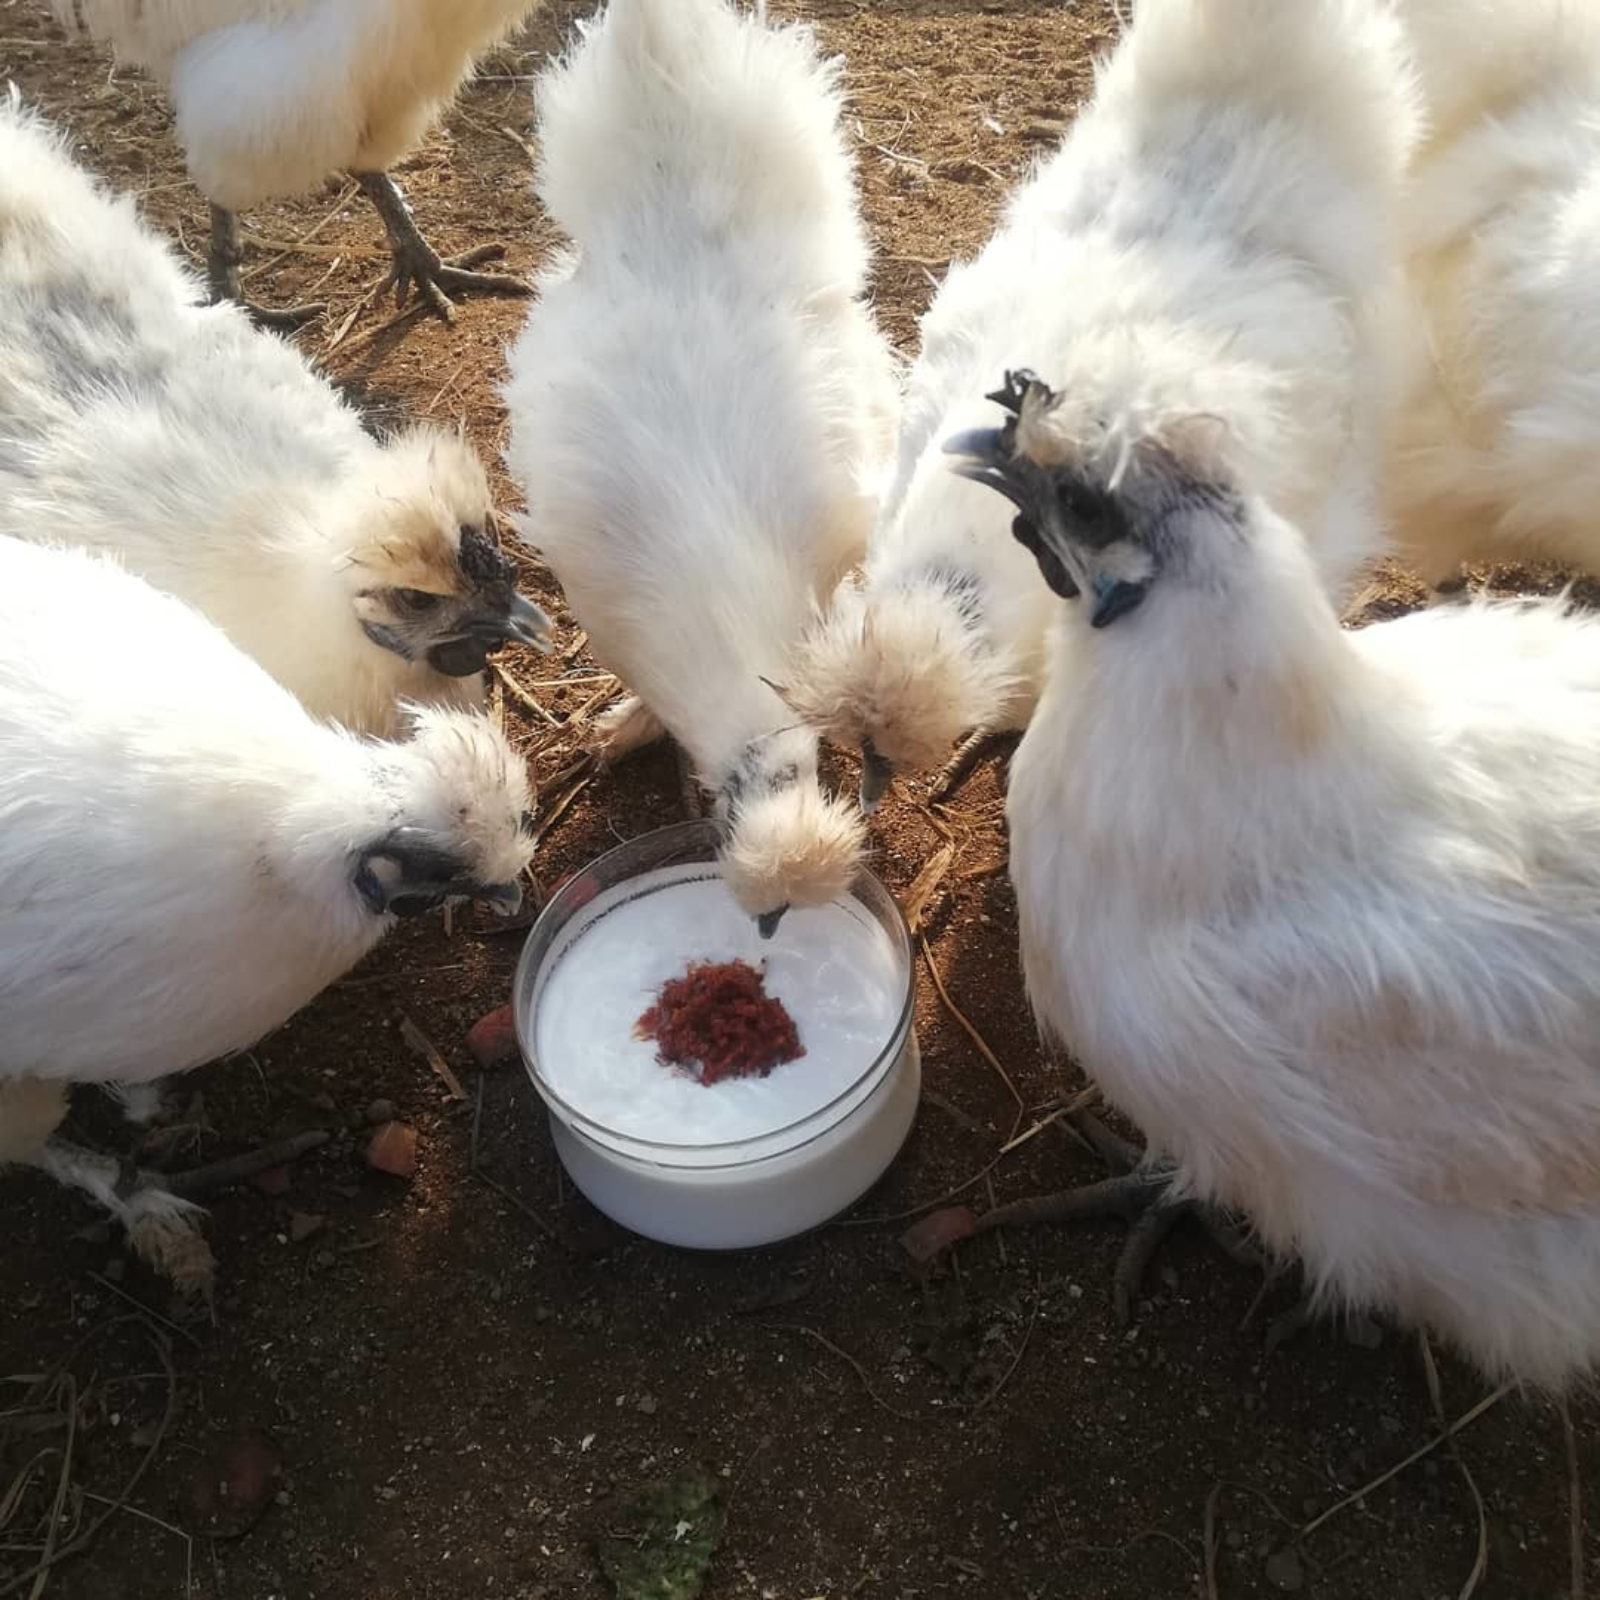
274,1181
646,1405
304,1225
323,1259
324,1102
380,1111
1284,1570
393,1149
232,1488
493,1039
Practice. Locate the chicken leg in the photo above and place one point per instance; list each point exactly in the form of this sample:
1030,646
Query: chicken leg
968,754
222,265
1140,1195
417,263
163,1228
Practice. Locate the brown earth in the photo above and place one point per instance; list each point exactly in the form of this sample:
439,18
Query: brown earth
461,1402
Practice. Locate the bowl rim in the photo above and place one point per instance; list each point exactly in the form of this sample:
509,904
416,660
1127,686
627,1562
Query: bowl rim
560,908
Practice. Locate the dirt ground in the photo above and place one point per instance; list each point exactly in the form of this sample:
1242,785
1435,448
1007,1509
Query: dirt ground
464,1390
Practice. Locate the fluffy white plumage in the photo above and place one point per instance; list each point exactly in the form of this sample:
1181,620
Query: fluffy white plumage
271,96
215,462
1321,909
1318,909
701,399
186,857
944,629
1217,241
1498,454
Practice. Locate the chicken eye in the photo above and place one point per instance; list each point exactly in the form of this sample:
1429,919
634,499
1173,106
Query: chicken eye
1082,506
417,602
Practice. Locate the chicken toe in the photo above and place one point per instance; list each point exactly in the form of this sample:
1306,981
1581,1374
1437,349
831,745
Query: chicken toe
222,267
418,265
1140,1193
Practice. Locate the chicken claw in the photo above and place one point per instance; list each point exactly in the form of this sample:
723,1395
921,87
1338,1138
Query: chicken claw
417,264
1136,1192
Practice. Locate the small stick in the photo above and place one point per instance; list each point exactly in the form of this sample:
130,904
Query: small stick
973,1034
1466,1420
140,1306
1210,1540
521,695
1480,1563
850,1361
1574,1501
429,1051
513,1200
1016,1361
221,1174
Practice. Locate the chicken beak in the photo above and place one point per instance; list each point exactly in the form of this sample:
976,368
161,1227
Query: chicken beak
767,922
528,624
504,899
876,776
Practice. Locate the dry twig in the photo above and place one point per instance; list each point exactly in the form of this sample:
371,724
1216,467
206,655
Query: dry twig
851,1362
418,1041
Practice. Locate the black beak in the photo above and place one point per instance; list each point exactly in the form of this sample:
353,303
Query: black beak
504,899
767,922
876,777
527,624
982,457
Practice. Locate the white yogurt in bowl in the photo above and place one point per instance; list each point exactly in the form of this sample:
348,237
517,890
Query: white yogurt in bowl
744,1161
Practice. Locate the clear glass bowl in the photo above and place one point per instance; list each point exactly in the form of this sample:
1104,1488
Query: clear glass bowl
720,1195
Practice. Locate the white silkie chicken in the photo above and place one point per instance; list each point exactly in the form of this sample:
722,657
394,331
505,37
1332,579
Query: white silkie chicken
701,399
1221,287
212,460
943,632
187,858
1498,451
1319,909
1215,235
272,96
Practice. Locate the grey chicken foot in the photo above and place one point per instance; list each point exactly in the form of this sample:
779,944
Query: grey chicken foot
1140,1195
222,267
968,754
417,264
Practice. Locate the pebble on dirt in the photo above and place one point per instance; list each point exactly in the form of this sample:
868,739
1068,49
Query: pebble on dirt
393,1149
493,1039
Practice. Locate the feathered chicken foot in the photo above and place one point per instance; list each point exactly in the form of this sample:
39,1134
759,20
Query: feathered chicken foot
222,266
163,1227
417,263
971,750
1137,1193
627,726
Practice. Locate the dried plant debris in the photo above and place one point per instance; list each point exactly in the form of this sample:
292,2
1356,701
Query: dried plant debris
662,1541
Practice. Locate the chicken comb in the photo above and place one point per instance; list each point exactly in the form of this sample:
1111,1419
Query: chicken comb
1021,385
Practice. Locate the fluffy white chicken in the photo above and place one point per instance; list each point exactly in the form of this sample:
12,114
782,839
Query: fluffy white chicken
1498,453
212,460
1319,909
943,632
188,857
271,96
1221,288
701,399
